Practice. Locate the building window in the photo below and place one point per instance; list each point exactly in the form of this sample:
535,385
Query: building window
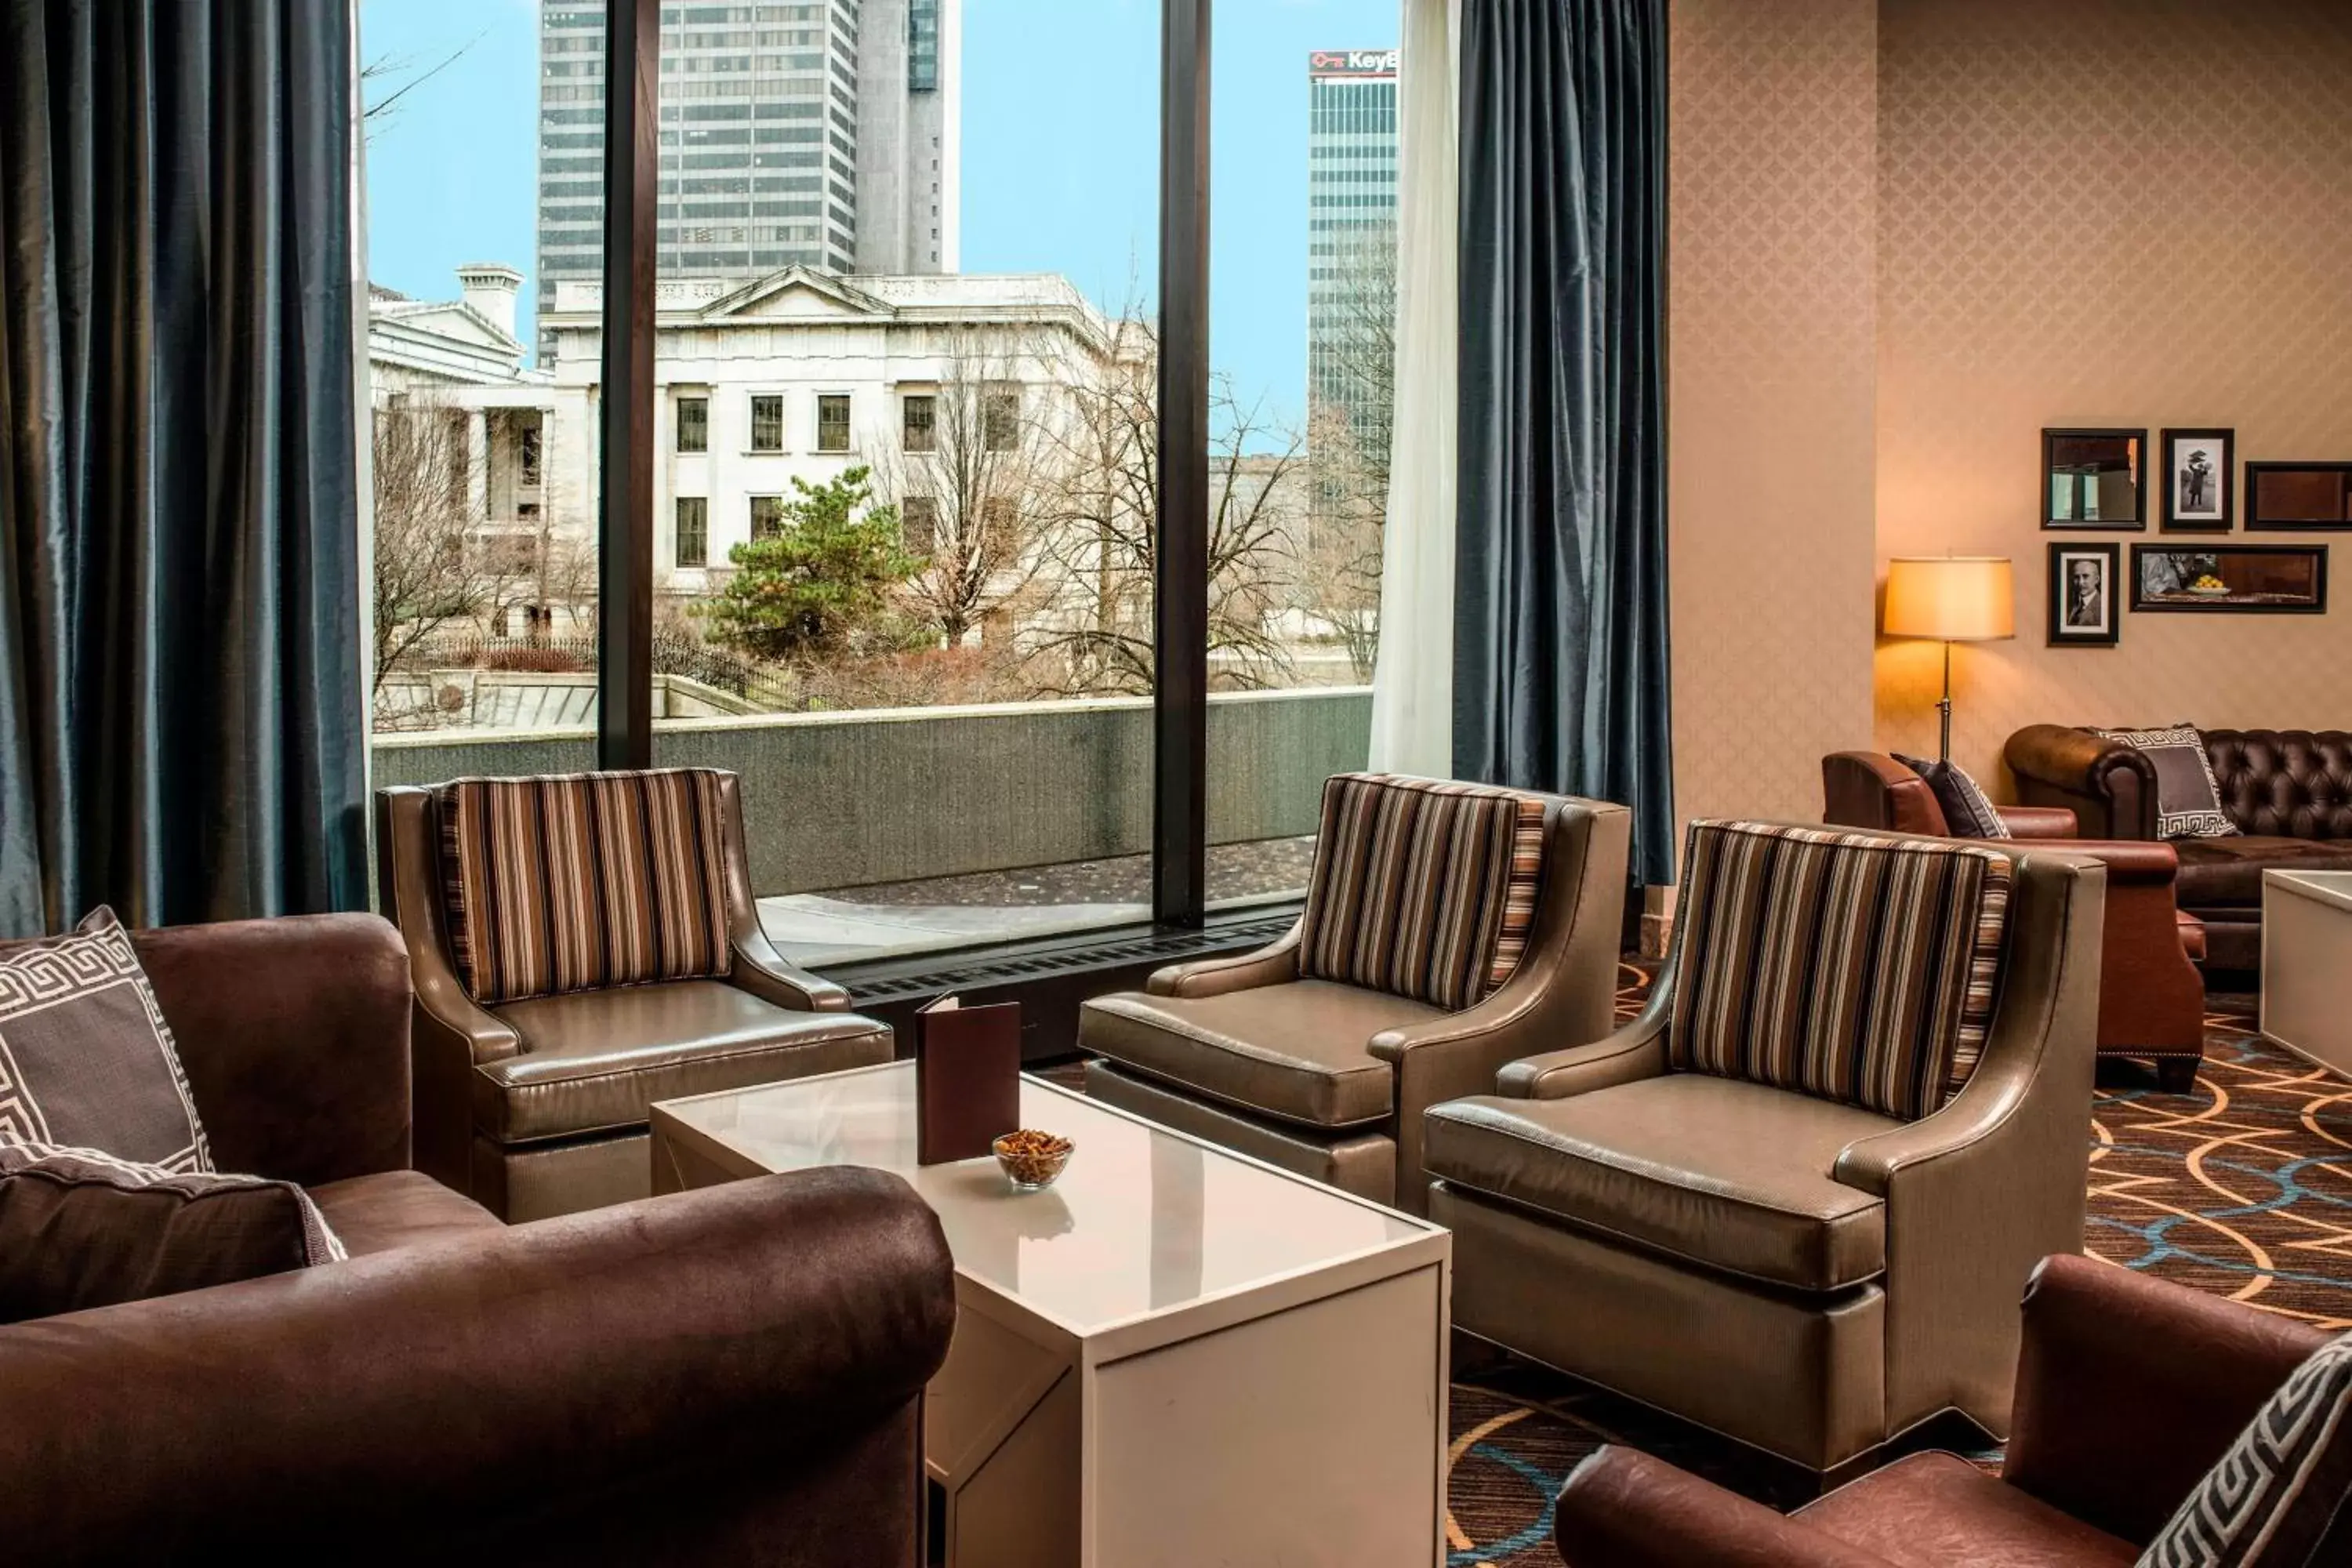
694,424
527,511
768,423
921,425
767,516
1000,420
694,531
919,524
832,422
527,451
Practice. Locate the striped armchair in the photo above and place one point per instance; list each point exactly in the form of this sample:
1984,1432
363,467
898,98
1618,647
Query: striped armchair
1449,928
583,946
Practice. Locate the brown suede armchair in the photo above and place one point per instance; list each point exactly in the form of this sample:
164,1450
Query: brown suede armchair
724,1376
2127,1392
1806,1276
1329,1079
2151,997
539,1106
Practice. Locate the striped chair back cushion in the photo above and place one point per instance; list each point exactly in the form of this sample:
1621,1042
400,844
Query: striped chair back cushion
1843,965
583,881
1422,889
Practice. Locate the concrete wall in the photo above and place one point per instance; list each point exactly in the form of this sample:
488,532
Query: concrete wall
835,800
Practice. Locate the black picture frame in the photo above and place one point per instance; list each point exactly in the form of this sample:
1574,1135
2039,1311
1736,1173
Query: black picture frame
2335,473
2144,601
2226,520
2064,558
2080,495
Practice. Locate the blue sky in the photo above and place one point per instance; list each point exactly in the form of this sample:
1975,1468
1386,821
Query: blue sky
1061,152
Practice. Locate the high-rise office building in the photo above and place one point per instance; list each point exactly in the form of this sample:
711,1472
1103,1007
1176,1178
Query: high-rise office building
1352,238
818,132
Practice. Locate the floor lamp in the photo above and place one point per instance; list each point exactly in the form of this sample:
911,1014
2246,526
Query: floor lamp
1951,598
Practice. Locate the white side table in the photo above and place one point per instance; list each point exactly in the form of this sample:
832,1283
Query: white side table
2307,965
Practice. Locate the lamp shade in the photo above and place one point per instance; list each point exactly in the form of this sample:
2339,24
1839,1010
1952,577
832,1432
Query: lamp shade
1955,598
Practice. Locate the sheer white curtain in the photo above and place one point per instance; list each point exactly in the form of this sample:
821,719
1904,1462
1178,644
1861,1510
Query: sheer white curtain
1412,684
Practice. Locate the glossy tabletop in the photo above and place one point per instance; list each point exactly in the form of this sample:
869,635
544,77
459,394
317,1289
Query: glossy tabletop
1143,1221
2321,887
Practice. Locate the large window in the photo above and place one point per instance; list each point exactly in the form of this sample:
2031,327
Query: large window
832,422
694,425
693,542
767,423
921,422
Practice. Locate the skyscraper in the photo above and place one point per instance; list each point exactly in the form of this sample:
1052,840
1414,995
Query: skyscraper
821,131
1351,242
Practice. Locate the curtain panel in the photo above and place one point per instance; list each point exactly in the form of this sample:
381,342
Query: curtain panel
181,729
1559,637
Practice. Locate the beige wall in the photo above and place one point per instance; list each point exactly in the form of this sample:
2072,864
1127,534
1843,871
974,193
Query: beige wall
1769,373
2108,212
1908,235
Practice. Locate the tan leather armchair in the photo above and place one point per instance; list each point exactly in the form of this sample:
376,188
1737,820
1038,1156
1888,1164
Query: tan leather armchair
1808,1276
1330,1081
538,1107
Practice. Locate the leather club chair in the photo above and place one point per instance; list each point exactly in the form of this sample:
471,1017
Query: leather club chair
1806,1276
1262,1055
2151,997
2288,792
2127,1392
730,1375
536,1104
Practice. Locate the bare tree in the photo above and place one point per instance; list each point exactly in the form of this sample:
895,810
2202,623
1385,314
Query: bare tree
432,566
1338,588
394,76
1350,421
1099,510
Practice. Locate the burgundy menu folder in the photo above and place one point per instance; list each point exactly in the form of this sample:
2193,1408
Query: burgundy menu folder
967,1078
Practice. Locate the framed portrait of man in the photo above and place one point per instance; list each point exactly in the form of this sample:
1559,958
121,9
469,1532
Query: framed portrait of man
2083,608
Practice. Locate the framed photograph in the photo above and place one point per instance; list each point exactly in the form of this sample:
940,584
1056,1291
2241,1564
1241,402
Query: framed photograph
2200,481
2083,612
2312,496
2280,579
2095,480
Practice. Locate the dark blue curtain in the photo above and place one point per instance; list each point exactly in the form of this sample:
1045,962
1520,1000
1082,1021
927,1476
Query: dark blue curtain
1561,662
181,730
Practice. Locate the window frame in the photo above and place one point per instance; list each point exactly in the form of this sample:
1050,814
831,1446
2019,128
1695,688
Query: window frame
701,447
751,508
678,534
930,425
848,409
752,435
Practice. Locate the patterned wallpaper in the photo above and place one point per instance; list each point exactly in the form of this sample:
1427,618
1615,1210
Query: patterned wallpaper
2107,211
1769,488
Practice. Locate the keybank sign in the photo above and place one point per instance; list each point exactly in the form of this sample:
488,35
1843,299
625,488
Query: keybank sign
1352,62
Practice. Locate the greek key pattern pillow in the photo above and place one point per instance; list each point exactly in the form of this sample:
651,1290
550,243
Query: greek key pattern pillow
86,1059
2282,1496
1969,811
2187,796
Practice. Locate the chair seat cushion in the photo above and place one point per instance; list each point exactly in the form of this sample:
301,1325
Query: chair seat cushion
1298,1052
2227,873
593,1060
1937,1510
397,1208
1716,1172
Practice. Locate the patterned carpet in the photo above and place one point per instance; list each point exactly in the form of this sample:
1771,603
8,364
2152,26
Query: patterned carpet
2243,1189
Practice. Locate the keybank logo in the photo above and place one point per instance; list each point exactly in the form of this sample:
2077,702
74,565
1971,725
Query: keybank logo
1353,62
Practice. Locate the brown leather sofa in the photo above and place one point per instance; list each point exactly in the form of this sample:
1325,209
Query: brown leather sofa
2127,1392
1810,1277
723,1376
1330,1081
2151,997
539,1108
2289,792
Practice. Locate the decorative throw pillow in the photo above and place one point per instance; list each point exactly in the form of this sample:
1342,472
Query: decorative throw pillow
79,1228
1848,966
86,1058
1968,811
1422,889
2282,1496
2187,796
582,881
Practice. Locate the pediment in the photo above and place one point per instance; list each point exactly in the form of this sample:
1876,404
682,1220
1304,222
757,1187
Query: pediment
797,294
454,321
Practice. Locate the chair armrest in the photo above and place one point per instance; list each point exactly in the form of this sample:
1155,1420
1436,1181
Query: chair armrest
1872,790
2130,862
2038,821
1625,1509
2129,1390
547,1387
756,966
1634,1052
1274,965
2110,787
294,1034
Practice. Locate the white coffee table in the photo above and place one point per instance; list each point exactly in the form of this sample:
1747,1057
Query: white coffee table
2307,964
1174,1356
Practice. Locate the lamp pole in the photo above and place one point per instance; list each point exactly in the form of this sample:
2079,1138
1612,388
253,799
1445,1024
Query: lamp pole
1944,707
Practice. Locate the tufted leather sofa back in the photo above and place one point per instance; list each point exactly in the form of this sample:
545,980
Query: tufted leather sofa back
2288,783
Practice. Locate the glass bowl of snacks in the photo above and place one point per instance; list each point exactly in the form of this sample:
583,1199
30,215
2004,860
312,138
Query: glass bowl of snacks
1032,1159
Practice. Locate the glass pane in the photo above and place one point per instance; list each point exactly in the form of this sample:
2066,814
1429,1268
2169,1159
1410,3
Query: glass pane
483,568
902,301
1303,292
